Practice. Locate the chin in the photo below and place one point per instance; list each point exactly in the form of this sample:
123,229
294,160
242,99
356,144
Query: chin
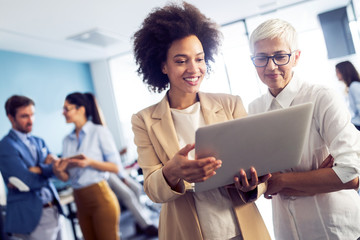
26,130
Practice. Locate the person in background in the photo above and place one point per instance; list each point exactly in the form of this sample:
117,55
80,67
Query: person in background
128,192
174,46
346,72
32,208
89,154
309,201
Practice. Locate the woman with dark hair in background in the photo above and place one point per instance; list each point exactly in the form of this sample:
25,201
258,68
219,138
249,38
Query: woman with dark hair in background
346,72
174,48
89,153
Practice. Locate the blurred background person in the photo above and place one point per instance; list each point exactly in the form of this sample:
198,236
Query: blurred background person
32,209
129,191
346,73
89,154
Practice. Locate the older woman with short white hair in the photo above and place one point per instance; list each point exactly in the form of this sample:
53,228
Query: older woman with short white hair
315,200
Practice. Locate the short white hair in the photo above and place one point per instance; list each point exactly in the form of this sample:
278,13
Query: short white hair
275,28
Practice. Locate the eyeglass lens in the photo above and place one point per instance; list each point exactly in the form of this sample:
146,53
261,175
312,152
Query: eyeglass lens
278,59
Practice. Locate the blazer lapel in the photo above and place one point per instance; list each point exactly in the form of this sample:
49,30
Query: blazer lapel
23,149
164,128
213,111
38,150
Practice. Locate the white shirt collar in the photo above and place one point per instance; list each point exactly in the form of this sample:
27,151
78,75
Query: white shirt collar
86,128
287,95
23,136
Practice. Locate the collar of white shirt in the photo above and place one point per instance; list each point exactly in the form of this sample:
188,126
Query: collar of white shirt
287,95
86,128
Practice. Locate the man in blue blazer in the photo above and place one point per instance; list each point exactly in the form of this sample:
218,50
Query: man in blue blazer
32,210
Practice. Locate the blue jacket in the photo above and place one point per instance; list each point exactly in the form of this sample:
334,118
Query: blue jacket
24,209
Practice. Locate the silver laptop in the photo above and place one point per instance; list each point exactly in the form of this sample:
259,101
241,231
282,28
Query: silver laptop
271,142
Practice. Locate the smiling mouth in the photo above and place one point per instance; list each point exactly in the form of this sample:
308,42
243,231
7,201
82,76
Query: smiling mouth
192,79
272,75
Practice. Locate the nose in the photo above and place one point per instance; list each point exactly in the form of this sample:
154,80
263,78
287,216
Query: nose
30,120
271,65
192,67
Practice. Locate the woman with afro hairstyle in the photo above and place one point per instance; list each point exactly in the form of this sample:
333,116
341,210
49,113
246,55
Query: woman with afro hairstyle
173,48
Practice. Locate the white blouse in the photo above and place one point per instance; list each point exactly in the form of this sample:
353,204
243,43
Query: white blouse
334,215
214,209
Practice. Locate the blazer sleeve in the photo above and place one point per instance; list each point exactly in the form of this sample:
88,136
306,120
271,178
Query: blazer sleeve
12,165
155,184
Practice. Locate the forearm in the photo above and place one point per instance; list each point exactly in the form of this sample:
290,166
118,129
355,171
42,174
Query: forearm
171,178
317,181
104,166
46,170
63,176
157,188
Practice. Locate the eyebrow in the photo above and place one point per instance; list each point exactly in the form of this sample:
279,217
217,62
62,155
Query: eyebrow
184,55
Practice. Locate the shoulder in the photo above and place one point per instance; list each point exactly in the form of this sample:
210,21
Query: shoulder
8,145
258,105
68,136
148,110
9,139
223,99
230,104
220,97
321,92
5,139
327,101
145,113
39,140
93,129
5,143
354,86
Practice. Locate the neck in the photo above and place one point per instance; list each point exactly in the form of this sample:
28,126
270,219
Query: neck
275,92
78,126
182,101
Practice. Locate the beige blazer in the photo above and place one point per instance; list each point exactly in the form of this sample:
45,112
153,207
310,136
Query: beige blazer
156,140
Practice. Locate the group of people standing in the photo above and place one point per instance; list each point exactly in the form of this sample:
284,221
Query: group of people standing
173,49
89,156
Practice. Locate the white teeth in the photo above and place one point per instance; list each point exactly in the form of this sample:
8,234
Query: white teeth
191,79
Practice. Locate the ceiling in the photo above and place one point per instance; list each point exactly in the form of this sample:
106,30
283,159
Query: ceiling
44,27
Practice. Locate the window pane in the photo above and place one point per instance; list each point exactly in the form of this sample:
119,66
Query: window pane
131,95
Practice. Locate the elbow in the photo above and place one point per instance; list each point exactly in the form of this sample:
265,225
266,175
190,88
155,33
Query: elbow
353,184
63,178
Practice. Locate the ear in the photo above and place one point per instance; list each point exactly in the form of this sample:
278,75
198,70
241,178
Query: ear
82,109
296,57
11,118
164,68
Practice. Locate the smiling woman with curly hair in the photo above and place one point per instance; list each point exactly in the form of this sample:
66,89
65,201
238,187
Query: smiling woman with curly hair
173,48
160,29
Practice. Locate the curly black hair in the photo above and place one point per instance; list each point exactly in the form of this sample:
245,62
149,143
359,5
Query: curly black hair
160,29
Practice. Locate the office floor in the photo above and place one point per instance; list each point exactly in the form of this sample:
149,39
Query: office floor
127,227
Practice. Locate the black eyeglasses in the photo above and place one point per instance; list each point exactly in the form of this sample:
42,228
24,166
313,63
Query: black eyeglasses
68,108
278,59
